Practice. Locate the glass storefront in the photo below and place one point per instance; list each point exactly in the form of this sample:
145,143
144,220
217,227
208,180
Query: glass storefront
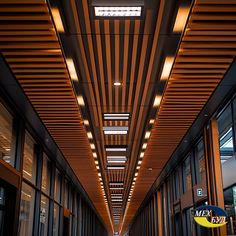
6,136
226,129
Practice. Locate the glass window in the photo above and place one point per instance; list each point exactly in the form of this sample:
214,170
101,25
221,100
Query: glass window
176,185
228,163
44,208
6,136
188,222
46,175
57,187
187,178
29,161
26,217
56,210
200,162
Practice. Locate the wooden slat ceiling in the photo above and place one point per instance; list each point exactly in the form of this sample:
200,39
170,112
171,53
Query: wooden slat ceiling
206,52
30,45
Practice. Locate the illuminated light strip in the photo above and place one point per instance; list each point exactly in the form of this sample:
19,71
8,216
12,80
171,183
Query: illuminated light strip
71,68
57,19
116,167
167,68
116,149
116,161
181,19
117,11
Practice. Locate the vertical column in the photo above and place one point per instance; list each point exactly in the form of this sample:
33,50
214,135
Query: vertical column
213,165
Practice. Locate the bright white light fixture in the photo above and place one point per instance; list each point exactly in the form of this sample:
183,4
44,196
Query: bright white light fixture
71,68
116,116
117,11
167,68
116,161
57,19
115,167
139,162
144,146
117,83
110,149
147,135
92,146
142,154
94,154
80,100
89,134
115,130
86,122
181,19
151,121
157,101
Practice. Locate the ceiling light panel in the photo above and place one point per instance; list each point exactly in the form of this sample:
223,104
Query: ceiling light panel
181,19
116,149
116,167
157,101
80,100
71,68
115,11
57,20
167,68
116,116
115,130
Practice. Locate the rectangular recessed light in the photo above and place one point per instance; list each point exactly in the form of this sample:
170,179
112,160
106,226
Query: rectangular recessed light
115,129
116,161
71,68
116,167
116,183
144,146
147,135
115,11
94,154
116,149
167,68
142,154
57,20
80,100
157,101
116,116
117,157
89,134
92,146
181,19
117,200
151,121
86,122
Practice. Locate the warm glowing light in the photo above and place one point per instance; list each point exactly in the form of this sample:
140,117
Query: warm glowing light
94,154
136,174
71,68
157,101
144,146
86,122
57,19
147,135
139,162
99,174
181,19
138,167
167,68
89,134
97,167
142,154
80,100
117,83
151,121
